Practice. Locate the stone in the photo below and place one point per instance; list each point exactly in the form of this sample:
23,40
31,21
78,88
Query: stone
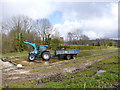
19,66
46,63
101,71
31,63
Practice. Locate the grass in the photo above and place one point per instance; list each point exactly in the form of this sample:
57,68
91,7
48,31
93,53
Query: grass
1,69
86,53
38,63
84,47
69,64
24,53
1,87
88,78
81,79
82,54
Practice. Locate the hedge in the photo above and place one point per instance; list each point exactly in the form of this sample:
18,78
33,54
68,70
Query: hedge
83,47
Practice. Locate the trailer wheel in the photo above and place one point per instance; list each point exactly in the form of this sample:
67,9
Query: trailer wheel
31,57
46,55
73,56
68,57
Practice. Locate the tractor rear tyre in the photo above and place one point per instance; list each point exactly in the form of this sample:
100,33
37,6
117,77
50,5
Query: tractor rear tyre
31,57
46,56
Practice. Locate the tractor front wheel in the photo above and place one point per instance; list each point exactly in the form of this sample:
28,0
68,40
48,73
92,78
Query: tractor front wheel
31,57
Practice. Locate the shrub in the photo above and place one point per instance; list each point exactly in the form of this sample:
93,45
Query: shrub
83,47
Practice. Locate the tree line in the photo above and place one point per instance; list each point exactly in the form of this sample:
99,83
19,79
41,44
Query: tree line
19,28
78,38
40,31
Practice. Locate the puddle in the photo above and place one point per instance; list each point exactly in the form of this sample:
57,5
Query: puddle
112,63
13,78
70,69
18,71
5,58
40,84
21,71
100,71
6,64
90,67
46,63
11,68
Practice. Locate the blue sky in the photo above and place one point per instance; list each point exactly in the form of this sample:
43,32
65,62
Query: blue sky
56,17
94,19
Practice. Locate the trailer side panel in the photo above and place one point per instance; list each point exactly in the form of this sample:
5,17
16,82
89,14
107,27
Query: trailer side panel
61,52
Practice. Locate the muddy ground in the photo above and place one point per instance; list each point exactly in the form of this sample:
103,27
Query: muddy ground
23,74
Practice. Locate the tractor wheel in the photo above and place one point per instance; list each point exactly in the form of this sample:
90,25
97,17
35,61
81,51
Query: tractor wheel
46,56
31,57
68,57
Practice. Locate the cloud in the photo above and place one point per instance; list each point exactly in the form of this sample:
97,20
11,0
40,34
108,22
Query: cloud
95,19
94,35
67,26
83,10
105,24
34,9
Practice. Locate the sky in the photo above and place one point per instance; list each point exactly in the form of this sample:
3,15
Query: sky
94,19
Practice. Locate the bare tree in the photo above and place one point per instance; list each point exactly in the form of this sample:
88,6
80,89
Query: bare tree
70,36
77,34
84,37
77,37
44,29
16,29
18,23
55,33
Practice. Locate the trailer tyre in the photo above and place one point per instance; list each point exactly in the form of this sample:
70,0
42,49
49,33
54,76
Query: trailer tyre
46,56
73,56
68,57
31,57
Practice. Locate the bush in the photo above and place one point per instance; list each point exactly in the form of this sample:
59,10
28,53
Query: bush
83,47
55,42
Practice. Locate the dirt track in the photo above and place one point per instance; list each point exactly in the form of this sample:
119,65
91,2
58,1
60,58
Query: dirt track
18,75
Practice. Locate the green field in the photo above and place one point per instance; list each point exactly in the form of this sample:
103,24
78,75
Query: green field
38,63
81,79
86,78
80,47
24,53
83,52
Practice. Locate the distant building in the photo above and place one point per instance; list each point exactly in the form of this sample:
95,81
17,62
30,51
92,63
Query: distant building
63,44
61,38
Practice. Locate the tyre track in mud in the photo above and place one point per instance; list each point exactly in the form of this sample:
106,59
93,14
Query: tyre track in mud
20,75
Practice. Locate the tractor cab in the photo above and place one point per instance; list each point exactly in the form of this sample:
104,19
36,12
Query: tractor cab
42,47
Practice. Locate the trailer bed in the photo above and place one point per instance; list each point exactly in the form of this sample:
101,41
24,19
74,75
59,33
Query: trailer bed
63,52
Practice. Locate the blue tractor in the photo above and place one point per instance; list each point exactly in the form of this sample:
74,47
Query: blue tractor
39,52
